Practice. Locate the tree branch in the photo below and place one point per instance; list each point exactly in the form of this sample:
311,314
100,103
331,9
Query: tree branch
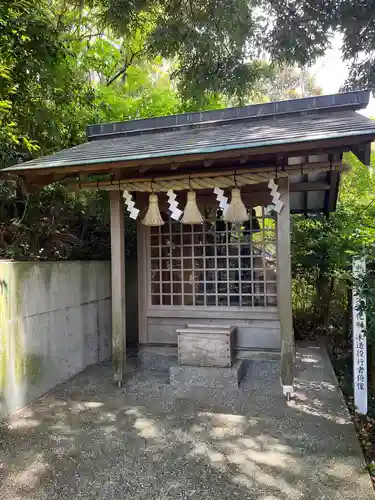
61,15
91,35
124,68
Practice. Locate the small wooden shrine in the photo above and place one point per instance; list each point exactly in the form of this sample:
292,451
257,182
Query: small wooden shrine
212,193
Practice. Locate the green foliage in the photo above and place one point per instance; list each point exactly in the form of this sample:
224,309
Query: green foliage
220,45
290,82
52,224
323,250
322,246
299,30
147,91
212,41
50,88
357,24
43,100
28,48
358,196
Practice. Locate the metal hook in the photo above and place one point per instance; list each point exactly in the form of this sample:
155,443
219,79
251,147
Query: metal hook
190,182
152,186
235,178
276,172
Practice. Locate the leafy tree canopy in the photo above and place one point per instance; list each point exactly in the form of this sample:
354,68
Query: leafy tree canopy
220,45
356,22
42,97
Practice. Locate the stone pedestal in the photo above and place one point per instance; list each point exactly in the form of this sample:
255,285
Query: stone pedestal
206,357
207,376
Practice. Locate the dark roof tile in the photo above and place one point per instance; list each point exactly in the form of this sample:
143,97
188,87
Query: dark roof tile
208,139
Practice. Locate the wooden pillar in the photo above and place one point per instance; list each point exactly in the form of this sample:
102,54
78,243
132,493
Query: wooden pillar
118,286
284,281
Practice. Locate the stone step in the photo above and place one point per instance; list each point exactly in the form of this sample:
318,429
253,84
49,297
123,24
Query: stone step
203,376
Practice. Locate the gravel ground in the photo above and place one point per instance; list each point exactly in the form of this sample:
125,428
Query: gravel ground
90,440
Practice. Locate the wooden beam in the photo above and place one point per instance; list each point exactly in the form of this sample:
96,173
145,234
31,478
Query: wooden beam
308,186
293,188
256,172
143,233
311,211
249,188
284,282
331,195
118,286
204,199
305,194
363,152
34,183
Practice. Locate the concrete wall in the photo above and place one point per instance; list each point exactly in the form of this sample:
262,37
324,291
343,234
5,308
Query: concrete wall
55,319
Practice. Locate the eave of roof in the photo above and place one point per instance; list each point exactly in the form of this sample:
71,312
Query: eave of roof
306,124
204,142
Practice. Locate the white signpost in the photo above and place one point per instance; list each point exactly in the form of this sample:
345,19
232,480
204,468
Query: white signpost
359,344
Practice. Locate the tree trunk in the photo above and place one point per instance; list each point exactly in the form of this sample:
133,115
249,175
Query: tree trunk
327,297
323,299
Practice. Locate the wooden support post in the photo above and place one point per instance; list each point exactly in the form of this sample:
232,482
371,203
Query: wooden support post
118,286
330,197
284,281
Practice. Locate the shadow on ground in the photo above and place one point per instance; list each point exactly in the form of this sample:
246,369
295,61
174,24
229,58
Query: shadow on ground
149,440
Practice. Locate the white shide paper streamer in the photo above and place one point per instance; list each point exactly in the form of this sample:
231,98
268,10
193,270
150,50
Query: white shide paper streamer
173,205
277,204
223,200
130,205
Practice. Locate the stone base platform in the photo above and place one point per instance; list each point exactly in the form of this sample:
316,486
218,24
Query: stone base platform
218,378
